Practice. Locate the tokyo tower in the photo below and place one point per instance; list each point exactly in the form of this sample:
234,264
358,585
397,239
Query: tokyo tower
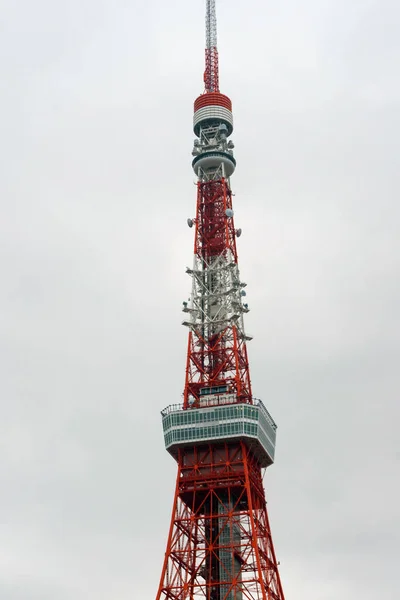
219,543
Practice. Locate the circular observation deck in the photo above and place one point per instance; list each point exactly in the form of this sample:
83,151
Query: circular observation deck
212,160
212,108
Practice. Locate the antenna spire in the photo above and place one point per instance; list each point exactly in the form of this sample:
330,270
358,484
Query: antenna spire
211,77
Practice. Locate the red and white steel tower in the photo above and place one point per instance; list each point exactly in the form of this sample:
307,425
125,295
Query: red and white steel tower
219,544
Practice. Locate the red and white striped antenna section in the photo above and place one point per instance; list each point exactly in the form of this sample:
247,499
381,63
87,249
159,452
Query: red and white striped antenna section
211,76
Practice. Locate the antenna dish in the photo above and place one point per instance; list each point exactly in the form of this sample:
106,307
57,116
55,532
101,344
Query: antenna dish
238,232
229,213
190,222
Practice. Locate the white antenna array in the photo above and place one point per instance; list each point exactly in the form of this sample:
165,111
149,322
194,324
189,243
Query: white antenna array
211,25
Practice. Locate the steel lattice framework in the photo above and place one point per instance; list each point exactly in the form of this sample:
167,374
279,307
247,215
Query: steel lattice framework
217,353
219,544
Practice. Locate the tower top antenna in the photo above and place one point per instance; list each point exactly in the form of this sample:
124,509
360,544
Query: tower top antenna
211,76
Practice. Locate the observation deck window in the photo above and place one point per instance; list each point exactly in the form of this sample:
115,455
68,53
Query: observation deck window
222,389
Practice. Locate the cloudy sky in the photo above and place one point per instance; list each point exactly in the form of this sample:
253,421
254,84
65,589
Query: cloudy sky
95,189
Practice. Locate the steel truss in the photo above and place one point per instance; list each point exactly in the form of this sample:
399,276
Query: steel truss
217,352
219,545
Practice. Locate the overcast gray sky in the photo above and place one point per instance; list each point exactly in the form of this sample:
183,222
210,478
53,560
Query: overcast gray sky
96,185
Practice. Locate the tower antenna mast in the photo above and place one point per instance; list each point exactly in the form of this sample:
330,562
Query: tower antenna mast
211,74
